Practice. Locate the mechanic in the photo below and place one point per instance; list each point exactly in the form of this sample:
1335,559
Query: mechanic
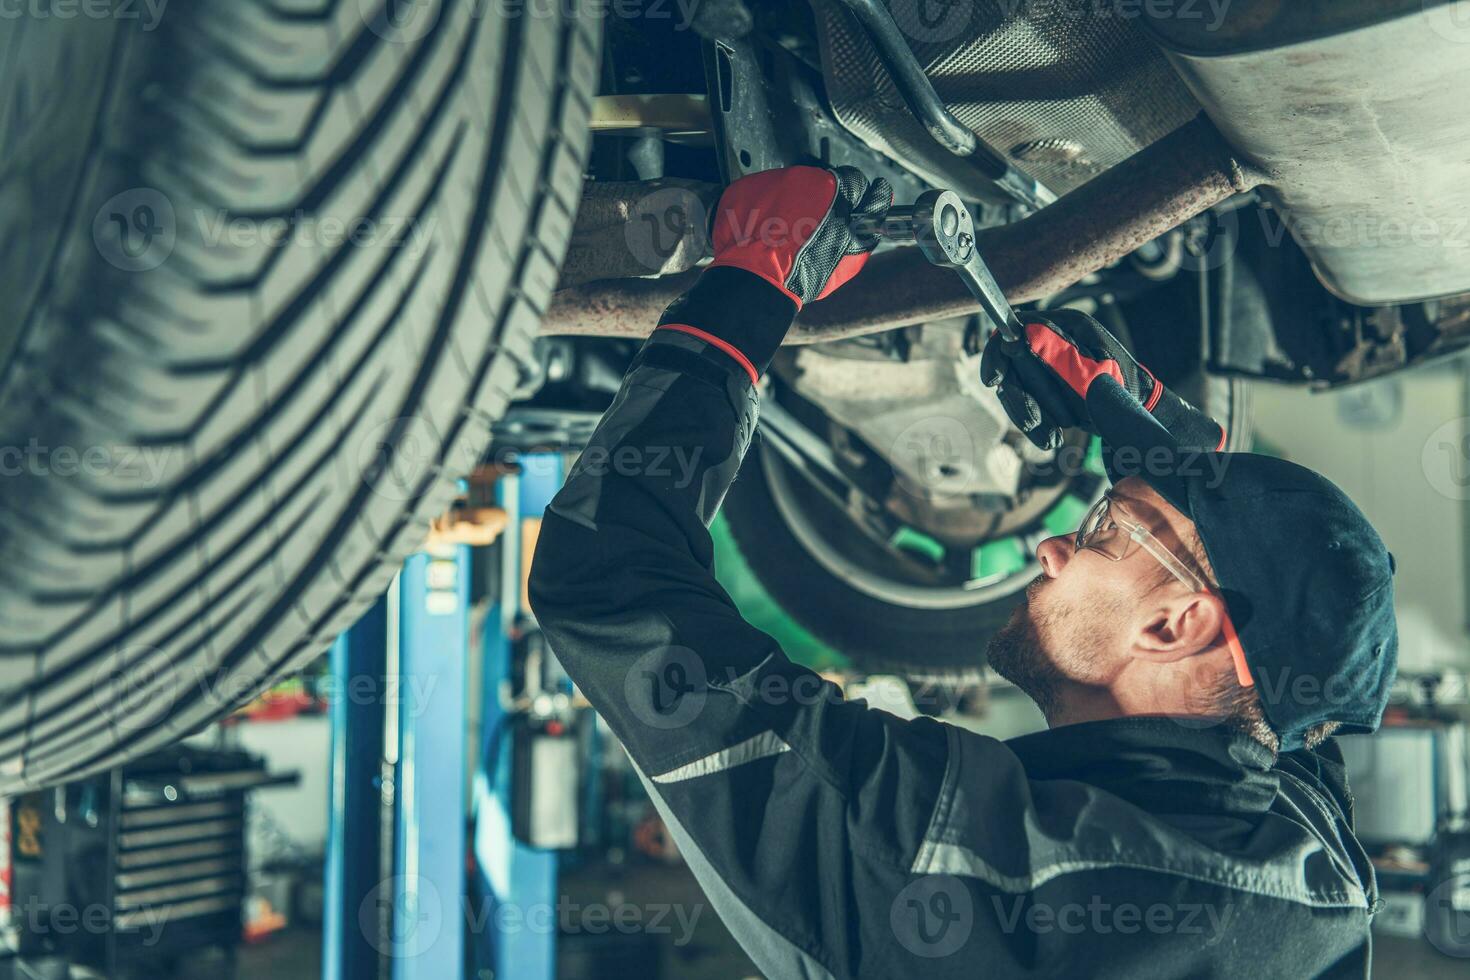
1193,648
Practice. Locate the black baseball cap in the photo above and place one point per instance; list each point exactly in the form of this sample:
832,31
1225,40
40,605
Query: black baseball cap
1306,580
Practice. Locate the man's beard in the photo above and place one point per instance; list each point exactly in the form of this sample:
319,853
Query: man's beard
1017,653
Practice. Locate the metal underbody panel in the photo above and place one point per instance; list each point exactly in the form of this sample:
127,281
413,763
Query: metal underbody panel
926,416
1366,143
960,470
1351,110
1063,92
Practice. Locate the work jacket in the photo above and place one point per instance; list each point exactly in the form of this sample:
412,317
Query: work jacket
837,840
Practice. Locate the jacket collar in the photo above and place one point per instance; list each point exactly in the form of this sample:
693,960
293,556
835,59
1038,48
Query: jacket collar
1159,764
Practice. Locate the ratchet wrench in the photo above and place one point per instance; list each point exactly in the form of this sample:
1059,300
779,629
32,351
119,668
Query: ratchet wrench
941,225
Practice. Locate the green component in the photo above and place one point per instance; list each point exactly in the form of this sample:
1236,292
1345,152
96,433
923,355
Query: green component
917,543
1094,463
762,611
997,559
1265,447
1066,516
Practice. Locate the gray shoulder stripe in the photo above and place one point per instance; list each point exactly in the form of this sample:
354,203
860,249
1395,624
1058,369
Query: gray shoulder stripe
773,954
758,747
936,857
581,497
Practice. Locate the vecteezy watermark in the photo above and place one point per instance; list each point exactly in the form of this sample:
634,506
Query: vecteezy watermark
303,230
770,230
935,457
1447,914
934,21
666,688
400,21
1210,14
1303,689
139,466
95,918
668,222
407,21
399,456
933,916
674,919
1217,241
135,230
401,916
133,686
408,694
1126,461
1100,917
1450,19
679,463
1445,459
1360,230
148,12
939,21
138,229
1451,687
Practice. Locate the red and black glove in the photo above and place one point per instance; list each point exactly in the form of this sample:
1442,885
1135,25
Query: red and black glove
791,227
1042,381
781,239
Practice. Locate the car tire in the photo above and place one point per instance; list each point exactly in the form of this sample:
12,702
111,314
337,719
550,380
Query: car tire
875,635
270,271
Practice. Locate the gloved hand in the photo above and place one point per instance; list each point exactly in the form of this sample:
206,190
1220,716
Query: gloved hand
790,227
1042,381
781,240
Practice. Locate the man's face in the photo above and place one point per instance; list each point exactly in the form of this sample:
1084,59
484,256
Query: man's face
1078,620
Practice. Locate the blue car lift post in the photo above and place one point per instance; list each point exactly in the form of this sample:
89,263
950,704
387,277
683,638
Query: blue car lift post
395,870
517,882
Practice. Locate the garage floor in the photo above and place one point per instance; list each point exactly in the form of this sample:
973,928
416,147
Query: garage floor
296,954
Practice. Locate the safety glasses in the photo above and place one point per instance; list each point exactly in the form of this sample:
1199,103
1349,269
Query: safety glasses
1110,532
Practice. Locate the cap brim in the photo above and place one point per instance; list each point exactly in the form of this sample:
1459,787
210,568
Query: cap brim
1135,444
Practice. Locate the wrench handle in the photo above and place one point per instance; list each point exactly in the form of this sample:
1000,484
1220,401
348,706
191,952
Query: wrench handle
941,225
895,226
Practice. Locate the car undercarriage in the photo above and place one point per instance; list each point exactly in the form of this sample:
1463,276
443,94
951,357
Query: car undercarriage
279,276
392,409
1116,164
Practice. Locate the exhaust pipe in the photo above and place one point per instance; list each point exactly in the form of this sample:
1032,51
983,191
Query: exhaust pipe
1180,176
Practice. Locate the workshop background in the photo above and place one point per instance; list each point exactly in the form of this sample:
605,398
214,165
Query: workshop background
432,794
430,798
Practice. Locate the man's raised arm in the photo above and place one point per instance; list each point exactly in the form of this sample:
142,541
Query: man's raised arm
785,799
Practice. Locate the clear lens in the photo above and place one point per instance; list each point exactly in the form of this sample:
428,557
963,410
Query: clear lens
1100,534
